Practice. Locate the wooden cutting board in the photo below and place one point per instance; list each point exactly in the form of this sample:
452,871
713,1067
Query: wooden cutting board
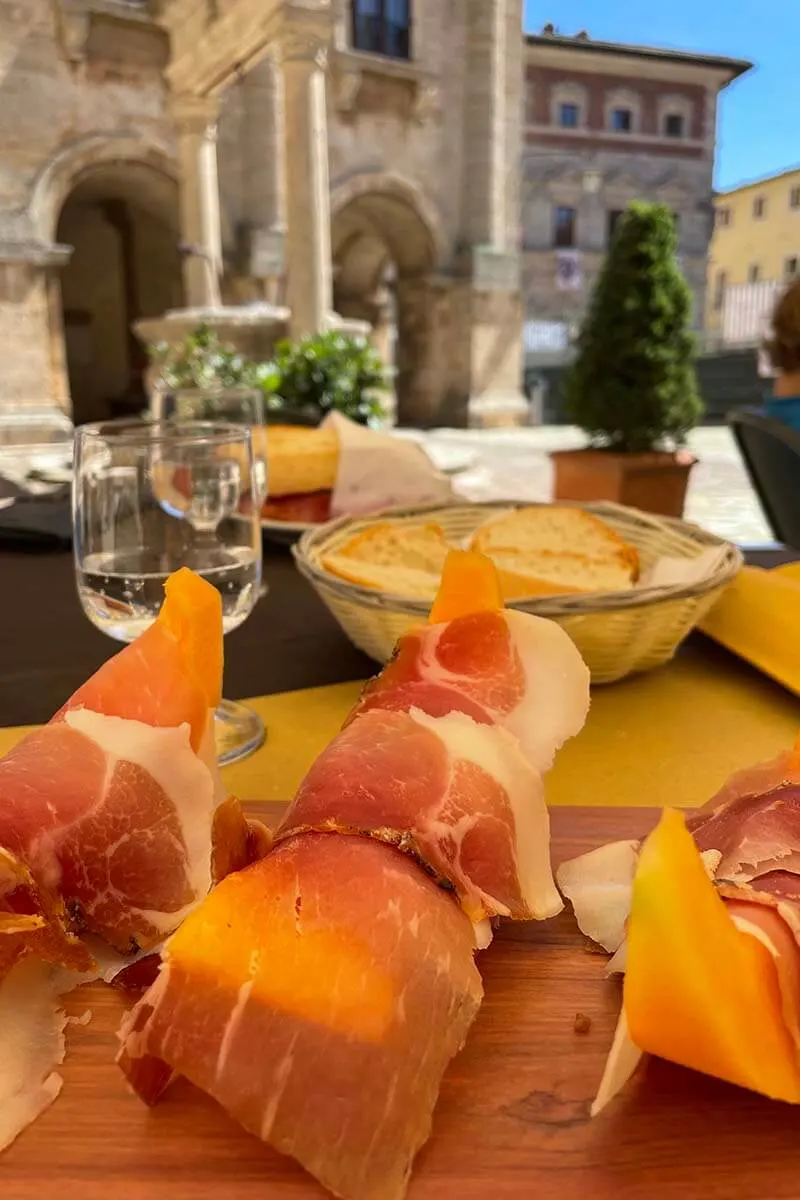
513,1117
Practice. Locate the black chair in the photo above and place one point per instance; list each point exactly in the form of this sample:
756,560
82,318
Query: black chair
771,453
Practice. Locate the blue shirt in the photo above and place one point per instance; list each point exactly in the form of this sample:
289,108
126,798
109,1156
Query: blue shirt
786,410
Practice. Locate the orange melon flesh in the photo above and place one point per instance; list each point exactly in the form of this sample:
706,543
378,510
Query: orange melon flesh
698,991
243,931
470,584
192,614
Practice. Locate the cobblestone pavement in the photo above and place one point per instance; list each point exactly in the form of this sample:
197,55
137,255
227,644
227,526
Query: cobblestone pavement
513,464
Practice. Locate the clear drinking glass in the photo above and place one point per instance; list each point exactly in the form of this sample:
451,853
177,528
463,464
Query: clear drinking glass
234,406
151,496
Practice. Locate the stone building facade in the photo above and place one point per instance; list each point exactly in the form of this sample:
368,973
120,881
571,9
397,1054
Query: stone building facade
605,124
332,159
167,153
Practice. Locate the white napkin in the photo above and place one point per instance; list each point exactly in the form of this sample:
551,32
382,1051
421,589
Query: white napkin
671,572
377,470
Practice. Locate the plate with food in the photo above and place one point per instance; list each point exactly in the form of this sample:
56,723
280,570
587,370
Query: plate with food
338,468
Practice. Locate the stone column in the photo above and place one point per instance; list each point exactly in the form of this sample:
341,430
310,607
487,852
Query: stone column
196,119
264,184
31,322
485,159
308,214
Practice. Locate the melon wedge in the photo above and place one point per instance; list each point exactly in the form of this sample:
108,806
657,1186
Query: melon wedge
470,584
699,991
192,613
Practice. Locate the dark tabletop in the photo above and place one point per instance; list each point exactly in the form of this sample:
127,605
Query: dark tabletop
48,647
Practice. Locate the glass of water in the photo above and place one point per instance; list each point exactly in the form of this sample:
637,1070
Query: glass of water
234,406
150,497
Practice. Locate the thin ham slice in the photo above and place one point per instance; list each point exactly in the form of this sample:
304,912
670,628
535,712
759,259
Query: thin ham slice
754,821
318,996
116,809
459,795
508,668
116,817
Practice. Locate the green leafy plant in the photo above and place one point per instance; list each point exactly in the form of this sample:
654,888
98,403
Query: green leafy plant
329,371
204,362
633,386
305,380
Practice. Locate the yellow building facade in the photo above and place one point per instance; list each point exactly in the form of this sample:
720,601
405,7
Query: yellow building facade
756,241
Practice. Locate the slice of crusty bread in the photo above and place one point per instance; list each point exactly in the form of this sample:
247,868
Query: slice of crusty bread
555,529
299,459
553,574
395,580
420,547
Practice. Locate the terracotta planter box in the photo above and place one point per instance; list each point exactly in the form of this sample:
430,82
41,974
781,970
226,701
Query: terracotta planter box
655,481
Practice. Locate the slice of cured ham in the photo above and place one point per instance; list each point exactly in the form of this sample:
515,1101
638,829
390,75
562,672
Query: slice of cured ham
508,668
713,974
318,996
748,833
754,823
461,796
113,807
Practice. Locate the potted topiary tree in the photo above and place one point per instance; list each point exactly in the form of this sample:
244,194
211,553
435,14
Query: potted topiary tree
632,387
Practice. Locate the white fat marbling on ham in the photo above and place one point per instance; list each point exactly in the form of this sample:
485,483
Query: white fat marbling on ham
599,886
498,754
32,1044
167,756
458,794
553,705
623,1059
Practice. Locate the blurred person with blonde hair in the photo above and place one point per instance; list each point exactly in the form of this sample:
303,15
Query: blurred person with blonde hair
783,349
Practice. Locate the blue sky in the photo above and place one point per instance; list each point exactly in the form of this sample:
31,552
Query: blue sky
759,123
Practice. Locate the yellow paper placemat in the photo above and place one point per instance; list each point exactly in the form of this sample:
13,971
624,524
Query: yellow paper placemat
670,737
758,618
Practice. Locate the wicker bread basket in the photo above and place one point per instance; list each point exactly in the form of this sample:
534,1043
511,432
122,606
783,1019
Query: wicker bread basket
618,633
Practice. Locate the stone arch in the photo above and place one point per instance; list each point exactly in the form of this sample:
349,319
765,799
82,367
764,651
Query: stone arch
397,207
115,202
59,177
387,241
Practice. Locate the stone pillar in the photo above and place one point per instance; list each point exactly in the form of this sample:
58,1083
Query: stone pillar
31,323
264,198
196,120
308,215
485,156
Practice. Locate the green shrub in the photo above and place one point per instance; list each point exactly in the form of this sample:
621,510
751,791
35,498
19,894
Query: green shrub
305,380
329,371
204,362
633,386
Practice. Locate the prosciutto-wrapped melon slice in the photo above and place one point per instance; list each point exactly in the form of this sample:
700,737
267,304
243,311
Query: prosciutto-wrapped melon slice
318,996
460,796
113,806
749,833
436,768
711,982
500,667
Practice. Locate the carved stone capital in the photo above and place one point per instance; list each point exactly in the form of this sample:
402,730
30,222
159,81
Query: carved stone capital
195,114
347,88
427,103
303,36
74,30
298,47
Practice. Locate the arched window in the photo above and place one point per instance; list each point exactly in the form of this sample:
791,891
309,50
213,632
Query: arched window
568,106
675,117
622,111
